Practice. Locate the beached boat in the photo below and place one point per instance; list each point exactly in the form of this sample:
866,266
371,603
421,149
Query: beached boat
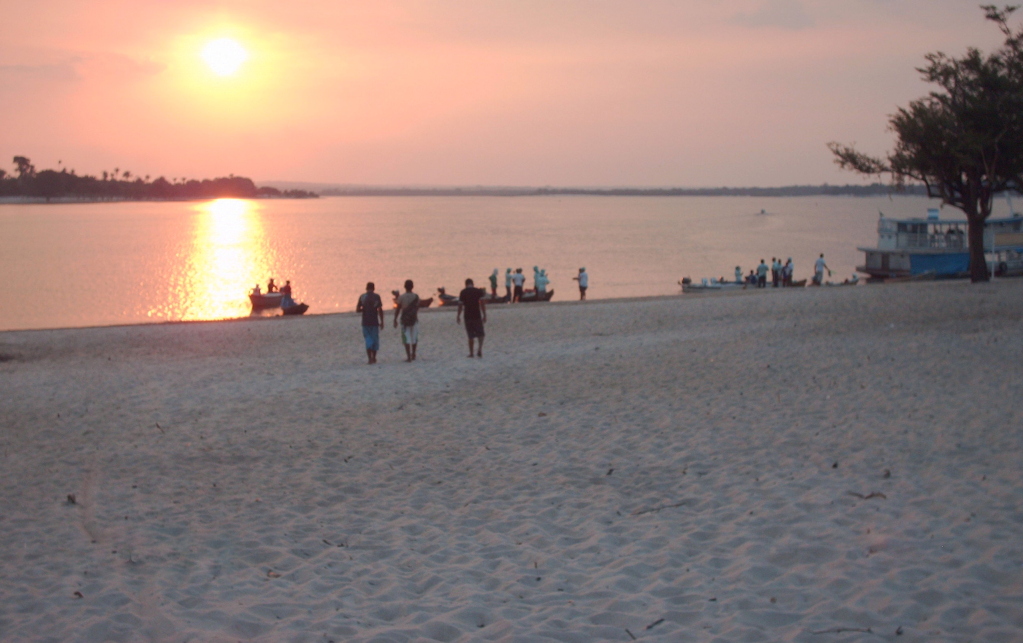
266,300
909,247
709,285
295,309
423,303
529,296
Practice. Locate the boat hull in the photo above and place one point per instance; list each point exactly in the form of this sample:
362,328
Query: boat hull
266,300
297,309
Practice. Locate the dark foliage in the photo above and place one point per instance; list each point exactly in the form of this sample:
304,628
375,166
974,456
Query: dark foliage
964,142
64,184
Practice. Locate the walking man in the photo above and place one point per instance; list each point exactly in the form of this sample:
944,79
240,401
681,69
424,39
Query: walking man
408,310
584,283
471,301
372,310
818,270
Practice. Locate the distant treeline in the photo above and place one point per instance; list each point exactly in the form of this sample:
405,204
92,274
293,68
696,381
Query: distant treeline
122,186
873,189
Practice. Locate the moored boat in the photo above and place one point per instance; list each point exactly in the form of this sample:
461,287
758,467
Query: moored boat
294,309
266,300
911,247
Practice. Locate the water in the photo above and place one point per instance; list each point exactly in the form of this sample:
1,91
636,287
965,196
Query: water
69,265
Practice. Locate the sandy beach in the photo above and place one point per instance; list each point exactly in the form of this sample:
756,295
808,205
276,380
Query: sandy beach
831,464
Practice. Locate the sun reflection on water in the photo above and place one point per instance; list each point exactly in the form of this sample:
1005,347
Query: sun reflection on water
229,253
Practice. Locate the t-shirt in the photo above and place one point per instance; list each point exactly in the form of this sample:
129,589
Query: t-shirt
493,280
762,269
406,302
519,279
370,305
470,298
507,279
584,279
818,265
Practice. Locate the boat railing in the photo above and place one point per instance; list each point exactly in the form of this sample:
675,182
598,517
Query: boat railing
950,240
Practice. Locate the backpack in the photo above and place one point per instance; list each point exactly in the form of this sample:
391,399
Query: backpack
410,313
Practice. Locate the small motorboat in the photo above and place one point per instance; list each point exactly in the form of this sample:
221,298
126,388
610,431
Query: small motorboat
445,298
423,303
294,309
266,300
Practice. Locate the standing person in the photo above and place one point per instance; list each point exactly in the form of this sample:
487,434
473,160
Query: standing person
372,310
818,270
738,275
518,279
508,284
286,300
786,273
775,272
408,310
493,284
762,275
471,301
584,283
271,286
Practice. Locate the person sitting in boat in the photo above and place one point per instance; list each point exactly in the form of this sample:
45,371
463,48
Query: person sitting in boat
256,290
286,300
271,286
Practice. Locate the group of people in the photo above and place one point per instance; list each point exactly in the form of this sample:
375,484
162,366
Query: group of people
781,274
406,314
285,290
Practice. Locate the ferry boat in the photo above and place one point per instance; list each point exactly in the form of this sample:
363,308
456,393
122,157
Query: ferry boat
939,247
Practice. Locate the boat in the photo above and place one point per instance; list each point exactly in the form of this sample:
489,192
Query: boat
911,247
266,300
423,303
529,296
709,285
294,309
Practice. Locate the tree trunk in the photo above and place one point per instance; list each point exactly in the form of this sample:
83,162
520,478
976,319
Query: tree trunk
978,264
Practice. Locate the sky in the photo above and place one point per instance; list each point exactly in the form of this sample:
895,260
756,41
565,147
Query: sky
692,93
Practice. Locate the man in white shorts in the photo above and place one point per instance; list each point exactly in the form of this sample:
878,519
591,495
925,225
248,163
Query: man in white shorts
408,311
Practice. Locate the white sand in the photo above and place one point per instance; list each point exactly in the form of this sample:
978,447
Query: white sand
677,469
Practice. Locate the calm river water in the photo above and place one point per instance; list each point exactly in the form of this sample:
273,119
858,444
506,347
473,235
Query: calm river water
68,265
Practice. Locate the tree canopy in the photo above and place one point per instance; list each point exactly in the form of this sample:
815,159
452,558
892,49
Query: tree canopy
964,141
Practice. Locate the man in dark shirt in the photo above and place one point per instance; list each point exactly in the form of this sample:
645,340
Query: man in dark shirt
372,309
471,301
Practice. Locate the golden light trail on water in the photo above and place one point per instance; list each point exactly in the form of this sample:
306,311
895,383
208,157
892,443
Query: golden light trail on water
227,256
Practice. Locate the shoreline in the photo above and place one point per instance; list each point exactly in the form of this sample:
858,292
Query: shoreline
703,468
432,309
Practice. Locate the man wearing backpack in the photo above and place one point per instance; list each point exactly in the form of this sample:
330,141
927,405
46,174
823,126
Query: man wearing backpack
408,311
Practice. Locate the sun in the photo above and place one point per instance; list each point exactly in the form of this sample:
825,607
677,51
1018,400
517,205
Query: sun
224,56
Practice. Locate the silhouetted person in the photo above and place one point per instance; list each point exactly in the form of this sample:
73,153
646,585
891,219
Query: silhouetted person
408,310
471,301
271,286
518,279
372,310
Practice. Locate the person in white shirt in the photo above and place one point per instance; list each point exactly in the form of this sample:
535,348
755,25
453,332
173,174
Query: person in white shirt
818,270
519,280
584,283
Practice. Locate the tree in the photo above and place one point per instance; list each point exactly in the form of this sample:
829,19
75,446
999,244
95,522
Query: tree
964,142
25,167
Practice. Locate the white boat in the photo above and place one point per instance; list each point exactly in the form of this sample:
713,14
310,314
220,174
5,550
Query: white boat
709,285
911,247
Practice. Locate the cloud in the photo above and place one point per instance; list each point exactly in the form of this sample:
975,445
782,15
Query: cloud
785,14
60,72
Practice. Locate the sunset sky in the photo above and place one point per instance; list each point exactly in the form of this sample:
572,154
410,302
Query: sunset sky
469,92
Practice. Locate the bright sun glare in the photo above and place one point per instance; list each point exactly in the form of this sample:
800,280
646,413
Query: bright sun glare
224,56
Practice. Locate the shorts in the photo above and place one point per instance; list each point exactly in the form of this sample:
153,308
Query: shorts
410,334
474,328
582,289
518,292
372,336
